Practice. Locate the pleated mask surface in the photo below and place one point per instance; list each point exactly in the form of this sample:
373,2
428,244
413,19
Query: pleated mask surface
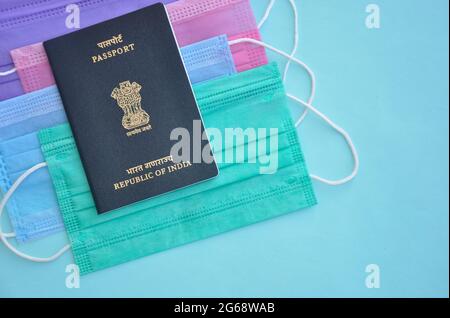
269,180
33,210
196,20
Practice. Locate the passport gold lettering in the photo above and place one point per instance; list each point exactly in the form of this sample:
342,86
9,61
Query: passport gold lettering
150,175
134,170
115,40
137,131
157,162
113,53
133,181
179,166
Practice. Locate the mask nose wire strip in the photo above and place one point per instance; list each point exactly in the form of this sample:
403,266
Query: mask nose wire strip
5,199
6,73
318,113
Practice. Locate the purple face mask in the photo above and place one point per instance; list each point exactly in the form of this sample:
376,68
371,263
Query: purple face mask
24,22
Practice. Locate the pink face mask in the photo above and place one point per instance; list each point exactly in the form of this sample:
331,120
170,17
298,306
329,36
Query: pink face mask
193,21
33,67
196,20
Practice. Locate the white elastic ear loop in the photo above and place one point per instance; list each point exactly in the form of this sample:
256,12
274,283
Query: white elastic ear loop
6,73
310,107
294,50
311,74
296,34
2,207
347,138
266,14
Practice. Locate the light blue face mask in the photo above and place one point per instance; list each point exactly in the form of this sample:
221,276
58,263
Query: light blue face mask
208,59
34,211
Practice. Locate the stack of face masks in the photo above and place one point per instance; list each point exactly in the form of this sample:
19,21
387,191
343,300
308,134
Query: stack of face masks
204,60
34,213
25,22
271,179
192,20
240,196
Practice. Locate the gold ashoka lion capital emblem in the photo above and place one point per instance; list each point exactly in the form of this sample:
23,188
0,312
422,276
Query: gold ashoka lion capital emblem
129,99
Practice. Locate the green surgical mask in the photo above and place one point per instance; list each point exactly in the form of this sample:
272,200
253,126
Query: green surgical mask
241,195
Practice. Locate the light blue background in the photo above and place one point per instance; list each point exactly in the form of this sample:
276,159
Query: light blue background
389,89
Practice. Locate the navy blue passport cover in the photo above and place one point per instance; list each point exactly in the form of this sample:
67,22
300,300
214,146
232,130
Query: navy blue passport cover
124,88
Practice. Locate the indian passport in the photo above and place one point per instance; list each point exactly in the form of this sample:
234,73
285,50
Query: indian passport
129,102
